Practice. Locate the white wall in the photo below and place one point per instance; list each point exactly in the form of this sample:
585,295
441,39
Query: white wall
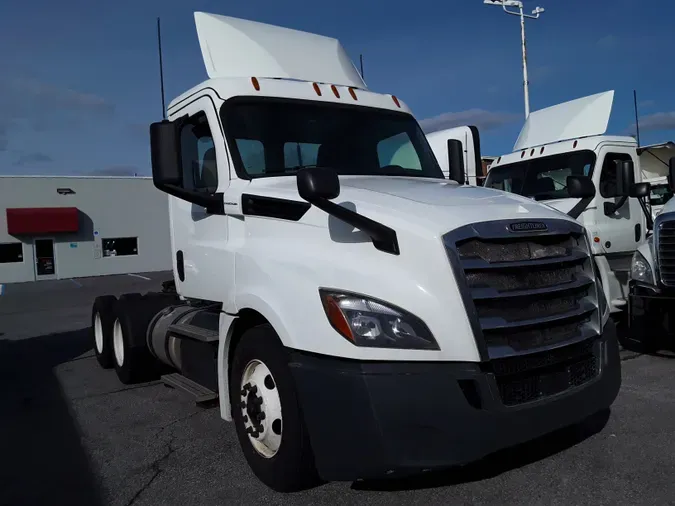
112,206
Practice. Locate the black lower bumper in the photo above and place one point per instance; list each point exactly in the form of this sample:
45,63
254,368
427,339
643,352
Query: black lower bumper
369,420
650,312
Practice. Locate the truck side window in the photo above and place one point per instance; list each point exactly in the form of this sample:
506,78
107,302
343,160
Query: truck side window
200,170
398,150
608,174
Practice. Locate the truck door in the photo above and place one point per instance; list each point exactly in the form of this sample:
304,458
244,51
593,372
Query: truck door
199,239
622,231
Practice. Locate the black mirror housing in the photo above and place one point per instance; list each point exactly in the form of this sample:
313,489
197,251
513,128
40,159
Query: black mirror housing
671,174
318,183
456,161
165,154
640,190
625,178
580,187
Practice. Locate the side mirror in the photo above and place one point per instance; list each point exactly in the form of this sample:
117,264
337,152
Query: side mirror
625,178
671,174
165,154
640,190
456,161
580,187
318,183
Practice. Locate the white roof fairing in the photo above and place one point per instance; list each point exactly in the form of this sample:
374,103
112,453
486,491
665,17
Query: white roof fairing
233,47
583,117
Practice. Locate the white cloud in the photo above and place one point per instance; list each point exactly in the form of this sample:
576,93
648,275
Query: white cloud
484,120
608,42
655,122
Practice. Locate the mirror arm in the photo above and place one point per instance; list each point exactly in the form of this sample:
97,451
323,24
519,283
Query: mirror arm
580,207
383,237
648,215
611,207
212,202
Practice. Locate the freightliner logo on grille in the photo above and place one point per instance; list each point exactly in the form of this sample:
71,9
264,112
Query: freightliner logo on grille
528,226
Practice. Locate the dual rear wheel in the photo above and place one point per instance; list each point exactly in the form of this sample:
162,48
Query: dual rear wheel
119,335
265,406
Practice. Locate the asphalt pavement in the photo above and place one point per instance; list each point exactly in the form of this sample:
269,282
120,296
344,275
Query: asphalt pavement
71,433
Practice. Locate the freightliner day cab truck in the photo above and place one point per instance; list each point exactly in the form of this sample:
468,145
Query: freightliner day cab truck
568,140
651,305
352,311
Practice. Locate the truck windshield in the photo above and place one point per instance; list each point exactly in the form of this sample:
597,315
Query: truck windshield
541,178
276,137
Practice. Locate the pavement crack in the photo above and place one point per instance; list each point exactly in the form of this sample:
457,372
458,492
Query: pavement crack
175,421
155,466
156,470
119,390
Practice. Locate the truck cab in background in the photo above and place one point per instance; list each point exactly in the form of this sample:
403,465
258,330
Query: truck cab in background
566,144
651,308
355,313
458,149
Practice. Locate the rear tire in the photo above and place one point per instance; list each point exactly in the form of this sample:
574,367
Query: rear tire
102,320
131,357
276,445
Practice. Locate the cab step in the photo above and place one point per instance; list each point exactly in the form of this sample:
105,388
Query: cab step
201,394
194,332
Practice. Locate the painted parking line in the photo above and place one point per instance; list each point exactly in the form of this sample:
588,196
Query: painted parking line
76,283
139,276
2,289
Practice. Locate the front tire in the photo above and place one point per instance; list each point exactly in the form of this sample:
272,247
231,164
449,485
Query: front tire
267,413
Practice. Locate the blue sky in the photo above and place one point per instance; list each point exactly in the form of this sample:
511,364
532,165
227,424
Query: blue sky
79,80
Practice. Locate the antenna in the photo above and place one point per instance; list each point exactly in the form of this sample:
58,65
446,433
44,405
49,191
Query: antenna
361,61
161,68
637,121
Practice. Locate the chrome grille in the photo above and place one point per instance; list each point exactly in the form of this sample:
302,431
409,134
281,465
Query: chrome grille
664,238
528,293
526,290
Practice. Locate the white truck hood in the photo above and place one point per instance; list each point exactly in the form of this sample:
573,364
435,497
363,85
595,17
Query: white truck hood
435,205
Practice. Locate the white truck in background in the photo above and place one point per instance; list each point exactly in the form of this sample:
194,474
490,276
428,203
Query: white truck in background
568,140
352,311
651,307
654,168
462,142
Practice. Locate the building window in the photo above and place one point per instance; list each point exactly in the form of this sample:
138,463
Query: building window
120,246
11,252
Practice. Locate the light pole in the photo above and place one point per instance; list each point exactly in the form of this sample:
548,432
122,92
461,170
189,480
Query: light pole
535,15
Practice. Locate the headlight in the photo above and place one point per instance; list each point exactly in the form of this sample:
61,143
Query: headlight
371,323
640,269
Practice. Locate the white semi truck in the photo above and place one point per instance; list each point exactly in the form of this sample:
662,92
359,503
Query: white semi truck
567,140
352,311
651,305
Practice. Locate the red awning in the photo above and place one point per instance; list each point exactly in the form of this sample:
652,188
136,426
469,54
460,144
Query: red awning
42,220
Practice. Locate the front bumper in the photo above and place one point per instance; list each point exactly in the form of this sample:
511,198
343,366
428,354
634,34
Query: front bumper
650,311
369,420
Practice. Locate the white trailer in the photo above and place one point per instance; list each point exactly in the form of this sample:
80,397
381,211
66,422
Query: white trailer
567,140
352,311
